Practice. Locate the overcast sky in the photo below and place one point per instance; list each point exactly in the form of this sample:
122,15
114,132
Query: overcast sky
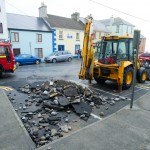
65,8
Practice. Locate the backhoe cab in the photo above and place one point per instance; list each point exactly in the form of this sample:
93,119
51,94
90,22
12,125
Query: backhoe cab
114,60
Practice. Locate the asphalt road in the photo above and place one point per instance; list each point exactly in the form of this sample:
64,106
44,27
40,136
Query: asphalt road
67,71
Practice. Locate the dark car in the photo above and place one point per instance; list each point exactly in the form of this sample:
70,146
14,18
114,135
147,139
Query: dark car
26,59
145,59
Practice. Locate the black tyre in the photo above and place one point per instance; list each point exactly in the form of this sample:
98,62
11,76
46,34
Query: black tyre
1,74
100,80
127,78
69,59
37,62
142,76
54,60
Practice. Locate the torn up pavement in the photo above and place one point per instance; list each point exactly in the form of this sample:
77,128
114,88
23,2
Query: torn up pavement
45,113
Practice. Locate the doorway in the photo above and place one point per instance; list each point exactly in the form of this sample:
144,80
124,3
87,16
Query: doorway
61,47
16,51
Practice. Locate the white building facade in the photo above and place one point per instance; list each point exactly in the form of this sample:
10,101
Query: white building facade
3,21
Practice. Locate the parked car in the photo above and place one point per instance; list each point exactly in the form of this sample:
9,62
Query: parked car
26,59
145,59
59,56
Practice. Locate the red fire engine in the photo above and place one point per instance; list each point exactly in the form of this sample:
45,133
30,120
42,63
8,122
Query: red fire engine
7,60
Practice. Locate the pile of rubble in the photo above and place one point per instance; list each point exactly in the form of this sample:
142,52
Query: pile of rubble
47,101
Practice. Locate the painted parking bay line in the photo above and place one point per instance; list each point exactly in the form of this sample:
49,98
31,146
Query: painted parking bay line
143,86
6,88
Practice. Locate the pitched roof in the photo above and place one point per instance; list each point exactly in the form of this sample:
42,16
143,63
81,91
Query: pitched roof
16,21
117,21
97,25
62,22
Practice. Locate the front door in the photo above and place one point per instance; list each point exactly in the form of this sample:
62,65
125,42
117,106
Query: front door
77,47
61,47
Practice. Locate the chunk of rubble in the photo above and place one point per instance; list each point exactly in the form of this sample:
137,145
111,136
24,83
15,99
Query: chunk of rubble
63,101
64,128
81,108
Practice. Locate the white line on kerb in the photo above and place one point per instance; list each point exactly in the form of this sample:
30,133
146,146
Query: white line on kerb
95,116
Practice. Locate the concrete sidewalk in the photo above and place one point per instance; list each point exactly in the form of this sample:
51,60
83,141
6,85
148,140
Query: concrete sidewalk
126,130
13,135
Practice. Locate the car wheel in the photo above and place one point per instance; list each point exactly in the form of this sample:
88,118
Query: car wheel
37,62
69,59
17,64
54,60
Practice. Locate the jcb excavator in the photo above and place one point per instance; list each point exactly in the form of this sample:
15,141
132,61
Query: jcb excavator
115,59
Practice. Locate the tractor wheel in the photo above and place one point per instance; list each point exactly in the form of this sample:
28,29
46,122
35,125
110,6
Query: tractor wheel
127,78
142,76
100,80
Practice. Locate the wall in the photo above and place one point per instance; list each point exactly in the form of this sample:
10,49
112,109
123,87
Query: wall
27,37
69,43
142,45
122,30
3,20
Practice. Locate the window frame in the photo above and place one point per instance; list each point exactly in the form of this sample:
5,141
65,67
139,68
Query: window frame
39,37
1,27
15,36
60,35
117,28
77,36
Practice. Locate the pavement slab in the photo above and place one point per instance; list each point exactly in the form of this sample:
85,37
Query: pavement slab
13,135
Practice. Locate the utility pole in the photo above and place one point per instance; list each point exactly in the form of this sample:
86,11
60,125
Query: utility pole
136,42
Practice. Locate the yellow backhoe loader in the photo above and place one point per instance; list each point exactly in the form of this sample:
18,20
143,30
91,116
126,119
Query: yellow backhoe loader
115,59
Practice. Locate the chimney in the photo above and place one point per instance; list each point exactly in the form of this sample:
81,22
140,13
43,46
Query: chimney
75,16
43,10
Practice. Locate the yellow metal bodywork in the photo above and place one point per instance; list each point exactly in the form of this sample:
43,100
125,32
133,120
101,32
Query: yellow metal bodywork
87,64
116,71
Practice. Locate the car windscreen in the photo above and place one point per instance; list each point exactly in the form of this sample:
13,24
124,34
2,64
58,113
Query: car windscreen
52,54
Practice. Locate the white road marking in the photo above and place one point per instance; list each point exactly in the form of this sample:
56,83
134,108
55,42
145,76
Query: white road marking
104,91
95,116
6,88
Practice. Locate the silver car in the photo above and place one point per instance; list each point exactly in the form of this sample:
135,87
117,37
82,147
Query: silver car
59,56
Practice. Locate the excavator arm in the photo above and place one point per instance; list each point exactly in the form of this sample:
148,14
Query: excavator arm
87,63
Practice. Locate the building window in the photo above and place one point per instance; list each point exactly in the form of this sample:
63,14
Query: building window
117,29
127,30
131,30
39,52
60,34
39,37
1,28
77,36
94,35
99,35
15,36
